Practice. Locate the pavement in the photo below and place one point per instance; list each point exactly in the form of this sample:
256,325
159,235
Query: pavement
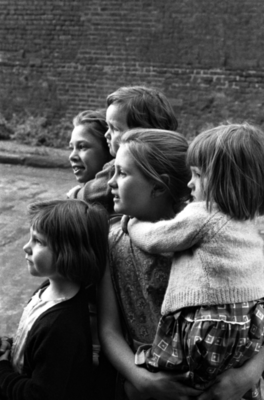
41,157
27,174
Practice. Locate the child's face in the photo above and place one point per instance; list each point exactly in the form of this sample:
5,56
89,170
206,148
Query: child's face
196,184
117,126
130,188
88,154
39,256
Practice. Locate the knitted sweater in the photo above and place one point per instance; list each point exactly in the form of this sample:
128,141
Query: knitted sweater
220,260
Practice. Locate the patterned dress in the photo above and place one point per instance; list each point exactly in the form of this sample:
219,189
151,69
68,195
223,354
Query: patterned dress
140,280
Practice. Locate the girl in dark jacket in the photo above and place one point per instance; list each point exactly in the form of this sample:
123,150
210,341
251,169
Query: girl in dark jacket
51,356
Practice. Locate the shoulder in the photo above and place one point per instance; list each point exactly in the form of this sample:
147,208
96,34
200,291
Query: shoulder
109,165
199,210
115,231
63,321
196,207
195,212
108,169
67,311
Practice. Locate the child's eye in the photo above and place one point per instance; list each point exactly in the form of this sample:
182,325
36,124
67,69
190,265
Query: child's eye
196,173
83,147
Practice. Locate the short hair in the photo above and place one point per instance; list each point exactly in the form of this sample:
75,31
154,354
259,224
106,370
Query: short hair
231,157
145,107
95,121
77,233
157,152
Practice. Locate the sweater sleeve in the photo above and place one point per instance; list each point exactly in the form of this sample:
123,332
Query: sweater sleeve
177,234
56,352
97,189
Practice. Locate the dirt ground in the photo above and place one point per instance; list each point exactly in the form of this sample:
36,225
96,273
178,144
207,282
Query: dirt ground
19,186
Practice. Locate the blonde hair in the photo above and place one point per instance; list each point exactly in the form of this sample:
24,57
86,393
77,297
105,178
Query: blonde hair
158,152
231,158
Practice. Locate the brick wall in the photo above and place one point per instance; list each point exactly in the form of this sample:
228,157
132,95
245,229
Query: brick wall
62,56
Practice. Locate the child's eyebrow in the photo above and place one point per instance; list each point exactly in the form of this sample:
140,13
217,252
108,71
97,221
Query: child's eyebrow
110,124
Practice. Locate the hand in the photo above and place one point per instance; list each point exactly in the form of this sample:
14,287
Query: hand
5,344
73,192
124,222
5,356
166,386
5,347
231,385
131,392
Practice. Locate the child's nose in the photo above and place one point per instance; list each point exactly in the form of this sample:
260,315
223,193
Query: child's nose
112,182
107,134
190,184
27,248
73,155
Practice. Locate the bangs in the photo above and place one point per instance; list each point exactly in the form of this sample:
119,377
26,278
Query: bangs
199,152
43,222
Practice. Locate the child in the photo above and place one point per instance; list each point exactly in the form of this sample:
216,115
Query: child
127,108
212,312
51,357
89,153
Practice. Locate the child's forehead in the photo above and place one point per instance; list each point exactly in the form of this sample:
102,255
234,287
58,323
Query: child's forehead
116,111
34,231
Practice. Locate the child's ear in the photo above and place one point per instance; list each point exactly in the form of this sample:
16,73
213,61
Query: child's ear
166,179
159,189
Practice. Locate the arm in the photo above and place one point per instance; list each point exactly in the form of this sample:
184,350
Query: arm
177,234
161,386
97,189
234,383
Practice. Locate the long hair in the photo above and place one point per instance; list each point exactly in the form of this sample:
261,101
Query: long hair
145,107
231,159
77,233
158,152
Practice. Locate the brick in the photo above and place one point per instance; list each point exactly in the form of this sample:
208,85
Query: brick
192,51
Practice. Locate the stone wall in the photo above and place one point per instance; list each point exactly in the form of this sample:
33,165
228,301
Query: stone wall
58,57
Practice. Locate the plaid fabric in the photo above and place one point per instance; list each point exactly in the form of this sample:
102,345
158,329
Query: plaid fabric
204,342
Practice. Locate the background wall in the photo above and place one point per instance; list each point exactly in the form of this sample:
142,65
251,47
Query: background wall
58,57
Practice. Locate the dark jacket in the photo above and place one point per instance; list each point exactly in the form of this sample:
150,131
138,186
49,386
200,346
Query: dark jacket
57,358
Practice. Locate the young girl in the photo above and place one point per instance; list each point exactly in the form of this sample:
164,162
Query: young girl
213,315
51,357
89,153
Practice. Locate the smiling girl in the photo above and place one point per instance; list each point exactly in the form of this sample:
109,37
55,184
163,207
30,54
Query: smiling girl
89,151
90,157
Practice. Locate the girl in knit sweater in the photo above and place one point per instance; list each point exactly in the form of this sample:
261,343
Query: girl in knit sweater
51,357
212,312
